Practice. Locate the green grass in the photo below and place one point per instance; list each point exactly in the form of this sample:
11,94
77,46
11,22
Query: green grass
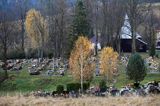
122,79
23,82
151,77
32,83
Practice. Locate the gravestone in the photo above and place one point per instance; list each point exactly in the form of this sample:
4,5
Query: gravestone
50,72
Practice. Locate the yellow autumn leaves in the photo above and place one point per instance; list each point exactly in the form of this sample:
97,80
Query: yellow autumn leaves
36,28
81,55
108,63
81,58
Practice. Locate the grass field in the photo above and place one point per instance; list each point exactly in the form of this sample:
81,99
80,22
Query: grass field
84,101
23,82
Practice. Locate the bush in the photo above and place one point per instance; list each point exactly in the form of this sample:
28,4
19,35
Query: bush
60,89
136,69
73,86
136,85
50,55
77,86
86,86
102,86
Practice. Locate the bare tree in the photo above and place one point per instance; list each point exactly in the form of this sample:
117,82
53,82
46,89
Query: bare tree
92,8
150,23
112,13
56,12
119,11
22,8
133,11
6,28
61,26
105,37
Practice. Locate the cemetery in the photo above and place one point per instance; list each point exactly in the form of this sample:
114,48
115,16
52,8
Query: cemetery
79,53
50,73
51,84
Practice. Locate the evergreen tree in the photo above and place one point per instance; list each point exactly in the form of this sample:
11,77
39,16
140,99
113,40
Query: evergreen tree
80,26
80,22
136,69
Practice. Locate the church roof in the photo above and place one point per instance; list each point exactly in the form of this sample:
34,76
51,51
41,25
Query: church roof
126,30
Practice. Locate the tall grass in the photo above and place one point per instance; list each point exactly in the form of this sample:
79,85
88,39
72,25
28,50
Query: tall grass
20,100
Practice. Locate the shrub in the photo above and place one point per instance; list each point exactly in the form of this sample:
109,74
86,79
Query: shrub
60,89
77,86
50,55
86,86
73,86
136,85
102,86
136,69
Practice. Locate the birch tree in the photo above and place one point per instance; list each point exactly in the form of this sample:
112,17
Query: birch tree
80,62
108,63
37,31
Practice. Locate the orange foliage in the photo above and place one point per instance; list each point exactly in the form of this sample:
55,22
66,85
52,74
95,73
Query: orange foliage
108,62
81,55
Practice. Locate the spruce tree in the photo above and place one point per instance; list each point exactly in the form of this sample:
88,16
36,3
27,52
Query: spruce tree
80,22
136,69
80,26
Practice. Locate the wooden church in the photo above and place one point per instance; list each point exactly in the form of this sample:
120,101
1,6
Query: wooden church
126,38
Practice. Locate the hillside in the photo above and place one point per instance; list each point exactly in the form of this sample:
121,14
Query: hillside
23,82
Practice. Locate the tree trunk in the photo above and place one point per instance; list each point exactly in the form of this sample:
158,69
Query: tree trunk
119,44
81,69
22,34
133,41
42,48
39,54
96,48
5,61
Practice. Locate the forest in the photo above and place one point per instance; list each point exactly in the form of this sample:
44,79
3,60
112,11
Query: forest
66,19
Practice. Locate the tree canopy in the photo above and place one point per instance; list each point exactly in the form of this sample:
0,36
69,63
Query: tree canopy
36,28
108,63
80,59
